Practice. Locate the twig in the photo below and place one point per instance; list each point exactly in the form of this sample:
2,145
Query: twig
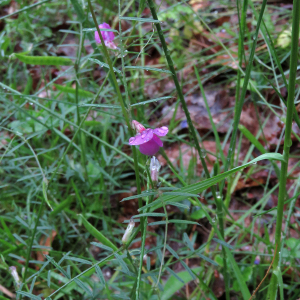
7,292
265,275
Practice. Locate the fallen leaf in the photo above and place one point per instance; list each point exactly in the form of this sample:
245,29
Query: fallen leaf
40,255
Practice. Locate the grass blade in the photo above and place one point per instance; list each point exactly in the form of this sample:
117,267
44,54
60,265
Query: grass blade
97,234
44,60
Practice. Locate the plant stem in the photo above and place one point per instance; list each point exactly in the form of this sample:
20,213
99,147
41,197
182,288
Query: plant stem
79,128
242,24
165,244
287,143
214,129
81,137
136,167
239,104
120,98
192,130
144,222
135,156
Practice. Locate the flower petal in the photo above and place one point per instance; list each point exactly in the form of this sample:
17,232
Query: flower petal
108,36
111,45
150,148
157,140
142,138
162,131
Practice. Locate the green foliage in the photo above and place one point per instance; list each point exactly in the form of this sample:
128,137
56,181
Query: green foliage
64,143
44,60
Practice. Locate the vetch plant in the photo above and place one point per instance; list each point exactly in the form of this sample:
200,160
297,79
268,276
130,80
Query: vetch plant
108,36
148,139
109,270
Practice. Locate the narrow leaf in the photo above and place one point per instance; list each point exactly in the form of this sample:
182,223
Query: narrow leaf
102,246
238,275
122,263
198,187
189,270
100,105
102,64
67,89
145,194
150,215
97,234
208,259
172,251
100,274
143,20
150,101
29,295
223,243
174,274
44,60
148,69
83,286
188,241
57,266
80,260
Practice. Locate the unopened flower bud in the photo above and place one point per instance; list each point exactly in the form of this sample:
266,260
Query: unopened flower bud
14,274
128,232
257,260
138,126
154,169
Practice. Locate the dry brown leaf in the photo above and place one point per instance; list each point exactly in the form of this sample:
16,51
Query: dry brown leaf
199,4
40,254
7,292
226,60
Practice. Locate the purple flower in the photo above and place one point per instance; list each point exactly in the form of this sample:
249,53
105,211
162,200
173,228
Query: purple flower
108,36
148,139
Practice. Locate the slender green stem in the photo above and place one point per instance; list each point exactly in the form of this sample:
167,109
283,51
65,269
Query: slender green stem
58,116
240,54
78,129
144,233
270,43
165,244
76,68
240,50
217,138
177,85
191,128
32,238
287,143
135,156
7,148
89,269
113,76
239,104
44,199
120,98
134,152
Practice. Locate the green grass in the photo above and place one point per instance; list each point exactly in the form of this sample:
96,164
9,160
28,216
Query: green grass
66,105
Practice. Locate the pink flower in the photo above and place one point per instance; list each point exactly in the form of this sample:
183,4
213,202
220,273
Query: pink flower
148,139
108,36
